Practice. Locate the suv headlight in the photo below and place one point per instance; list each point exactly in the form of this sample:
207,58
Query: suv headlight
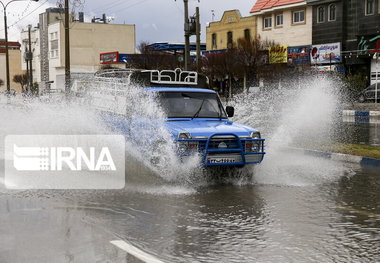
255,135
183,135
253,146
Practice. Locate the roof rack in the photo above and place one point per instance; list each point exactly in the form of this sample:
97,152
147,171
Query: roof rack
176,77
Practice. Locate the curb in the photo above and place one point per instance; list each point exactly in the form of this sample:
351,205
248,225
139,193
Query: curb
361,119
364,162
360,113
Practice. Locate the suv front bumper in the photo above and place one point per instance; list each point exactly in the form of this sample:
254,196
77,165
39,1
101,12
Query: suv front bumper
223,149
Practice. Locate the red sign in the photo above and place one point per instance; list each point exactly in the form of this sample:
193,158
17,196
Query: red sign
110,57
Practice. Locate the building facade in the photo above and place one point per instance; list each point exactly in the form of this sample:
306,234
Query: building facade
224,34
87,41
284,22
355,25
14,64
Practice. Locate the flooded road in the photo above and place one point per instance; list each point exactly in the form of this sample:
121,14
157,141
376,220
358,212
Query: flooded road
331,219
290,208
360,130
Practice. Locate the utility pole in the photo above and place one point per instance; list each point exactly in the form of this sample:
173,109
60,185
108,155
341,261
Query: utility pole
187,34
27,63
6,51
198,34
67,49
30,56
6,41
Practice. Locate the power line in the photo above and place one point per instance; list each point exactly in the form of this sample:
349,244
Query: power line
132,5
101,7
116,4
26,15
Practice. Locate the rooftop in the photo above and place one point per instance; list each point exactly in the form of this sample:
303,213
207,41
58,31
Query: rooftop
263,5
10,43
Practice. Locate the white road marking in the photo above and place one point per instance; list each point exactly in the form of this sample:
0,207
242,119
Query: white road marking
136,252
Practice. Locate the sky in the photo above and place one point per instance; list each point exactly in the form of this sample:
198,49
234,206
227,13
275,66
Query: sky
155,20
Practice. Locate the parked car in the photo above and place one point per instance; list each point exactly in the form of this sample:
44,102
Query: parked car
369,93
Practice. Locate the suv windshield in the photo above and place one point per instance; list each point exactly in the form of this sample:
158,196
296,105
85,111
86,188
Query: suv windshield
192,105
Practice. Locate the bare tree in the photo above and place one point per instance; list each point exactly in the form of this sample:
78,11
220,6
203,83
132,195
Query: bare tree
247,60
253,58
22,79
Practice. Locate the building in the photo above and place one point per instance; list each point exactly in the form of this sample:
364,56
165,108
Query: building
14,64
87,41
224,33
355,26
286,22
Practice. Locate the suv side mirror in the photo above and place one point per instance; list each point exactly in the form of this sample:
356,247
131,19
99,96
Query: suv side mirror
230,111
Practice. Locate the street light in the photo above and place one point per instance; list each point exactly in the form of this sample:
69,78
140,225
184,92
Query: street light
6,40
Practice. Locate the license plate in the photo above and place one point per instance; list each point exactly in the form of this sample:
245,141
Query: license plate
221,160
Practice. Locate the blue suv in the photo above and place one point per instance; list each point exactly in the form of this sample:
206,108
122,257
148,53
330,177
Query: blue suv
196,119
199,123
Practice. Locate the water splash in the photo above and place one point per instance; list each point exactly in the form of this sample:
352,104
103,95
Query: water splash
290,115
143,125
294,115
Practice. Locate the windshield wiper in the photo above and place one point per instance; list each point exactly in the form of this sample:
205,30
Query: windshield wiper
199,110
220,112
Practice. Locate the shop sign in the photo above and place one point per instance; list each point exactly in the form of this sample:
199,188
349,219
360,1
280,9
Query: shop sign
278,54
110,57
330,69
326,53
124,58
368,44
299,55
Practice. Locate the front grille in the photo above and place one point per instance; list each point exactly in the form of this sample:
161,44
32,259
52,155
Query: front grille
223,143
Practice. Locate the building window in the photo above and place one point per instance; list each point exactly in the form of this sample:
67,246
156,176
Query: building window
321,14
299,17
332,12
229,39
54,46
267,22
279,20
53,35
369,7
214,41
247,34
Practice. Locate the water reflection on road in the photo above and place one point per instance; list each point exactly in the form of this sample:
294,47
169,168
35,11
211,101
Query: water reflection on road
360,130
332,221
